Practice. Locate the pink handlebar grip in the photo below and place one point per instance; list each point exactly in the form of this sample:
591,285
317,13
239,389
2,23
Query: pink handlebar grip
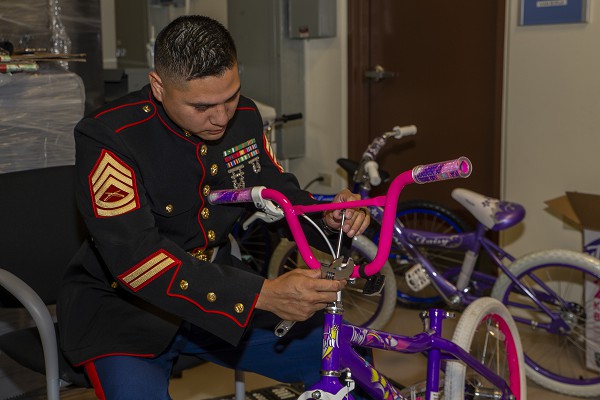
231,196
458,168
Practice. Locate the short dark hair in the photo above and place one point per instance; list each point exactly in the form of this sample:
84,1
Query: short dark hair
193,46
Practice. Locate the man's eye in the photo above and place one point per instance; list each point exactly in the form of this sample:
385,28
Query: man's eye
201,108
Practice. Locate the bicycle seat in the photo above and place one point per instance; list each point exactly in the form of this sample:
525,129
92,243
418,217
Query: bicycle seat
493,213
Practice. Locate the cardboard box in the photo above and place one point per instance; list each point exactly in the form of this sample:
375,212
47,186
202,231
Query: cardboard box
583,211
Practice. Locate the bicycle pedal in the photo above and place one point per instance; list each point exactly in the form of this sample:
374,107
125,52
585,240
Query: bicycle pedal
374,285
417,278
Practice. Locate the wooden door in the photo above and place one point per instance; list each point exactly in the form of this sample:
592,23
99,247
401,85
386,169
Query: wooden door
447,57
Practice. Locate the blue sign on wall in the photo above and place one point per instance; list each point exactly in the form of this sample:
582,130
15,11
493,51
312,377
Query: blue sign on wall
536,12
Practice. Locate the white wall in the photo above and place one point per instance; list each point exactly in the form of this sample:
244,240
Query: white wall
216,9
551,123
326,106
109,35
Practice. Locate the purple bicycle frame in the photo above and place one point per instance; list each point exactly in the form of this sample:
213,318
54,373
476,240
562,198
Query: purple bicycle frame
339,355
408,238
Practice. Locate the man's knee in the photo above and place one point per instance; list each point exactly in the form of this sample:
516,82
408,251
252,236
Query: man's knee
128,378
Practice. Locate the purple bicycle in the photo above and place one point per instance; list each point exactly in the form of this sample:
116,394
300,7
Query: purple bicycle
553,294
485,357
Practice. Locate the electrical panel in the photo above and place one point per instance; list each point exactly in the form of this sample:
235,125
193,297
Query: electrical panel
311,19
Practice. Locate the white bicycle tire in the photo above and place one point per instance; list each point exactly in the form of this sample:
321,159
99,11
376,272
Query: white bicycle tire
464,333
533,261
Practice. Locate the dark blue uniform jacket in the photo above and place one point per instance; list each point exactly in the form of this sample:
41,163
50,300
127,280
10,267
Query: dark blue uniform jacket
142,190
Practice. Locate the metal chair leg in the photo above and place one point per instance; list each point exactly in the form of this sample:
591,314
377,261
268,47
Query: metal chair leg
240,385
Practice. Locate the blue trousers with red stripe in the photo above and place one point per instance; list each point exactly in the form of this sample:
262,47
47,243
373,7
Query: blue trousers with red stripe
294,358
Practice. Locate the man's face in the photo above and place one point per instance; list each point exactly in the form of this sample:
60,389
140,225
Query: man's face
201,106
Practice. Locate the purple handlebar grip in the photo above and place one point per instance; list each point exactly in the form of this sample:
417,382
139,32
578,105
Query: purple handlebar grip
459,168
231,196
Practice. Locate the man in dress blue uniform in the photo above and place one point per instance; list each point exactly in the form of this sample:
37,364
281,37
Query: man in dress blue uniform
156,278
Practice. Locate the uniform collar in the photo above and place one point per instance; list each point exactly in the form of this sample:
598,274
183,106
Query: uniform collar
166,120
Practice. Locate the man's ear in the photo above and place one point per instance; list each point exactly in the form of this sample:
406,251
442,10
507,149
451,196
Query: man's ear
156,85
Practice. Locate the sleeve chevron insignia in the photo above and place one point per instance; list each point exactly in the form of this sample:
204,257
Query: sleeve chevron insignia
113,187
148,270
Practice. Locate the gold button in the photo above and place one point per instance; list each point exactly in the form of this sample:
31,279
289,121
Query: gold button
114,285
146,108
169,208
239,308
186,133
184,285
203,150
206,190
205,213
211,297
211,235
214,169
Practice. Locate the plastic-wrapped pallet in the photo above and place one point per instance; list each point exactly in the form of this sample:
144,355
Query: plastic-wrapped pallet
59,26
37,115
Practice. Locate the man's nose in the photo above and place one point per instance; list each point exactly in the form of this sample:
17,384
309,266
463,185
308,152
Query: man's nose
219,115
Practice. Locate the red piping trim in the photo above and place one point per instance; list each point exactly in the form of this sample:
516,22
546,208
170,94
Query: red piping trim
200,195
199,217
240,324
136,123
118,130
114,354
90,370
121,106
269,152
174,131
167,125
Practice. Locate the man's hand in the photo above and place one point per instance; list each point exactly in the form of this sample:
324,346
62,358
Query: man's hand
298,294
357,219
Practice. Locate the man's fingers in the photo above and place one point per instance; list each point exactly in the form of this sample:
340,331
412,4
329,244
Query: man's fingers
358,222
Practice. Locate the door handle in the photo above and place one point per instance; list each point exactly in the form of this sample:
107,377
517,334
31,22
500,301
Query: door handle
379,73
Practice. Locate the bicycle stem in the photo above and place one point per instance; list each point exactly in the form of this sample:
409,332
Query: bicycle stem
284,326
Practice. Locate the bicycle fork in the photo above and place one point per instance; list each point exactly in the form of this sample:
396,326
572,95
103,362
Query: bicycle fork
331,386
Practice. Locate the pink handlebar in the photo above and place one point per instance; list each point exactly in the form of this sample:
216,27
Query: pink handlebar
459,168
